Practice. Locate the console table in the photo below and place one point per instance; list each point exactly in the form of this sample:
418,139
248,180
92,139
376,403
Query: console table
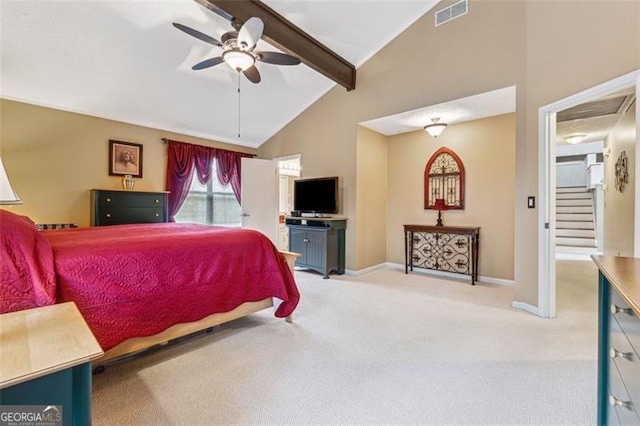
443,248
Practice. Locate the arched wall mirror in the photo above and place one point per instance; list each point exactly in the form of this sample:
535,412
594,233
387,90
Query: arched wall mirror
444,181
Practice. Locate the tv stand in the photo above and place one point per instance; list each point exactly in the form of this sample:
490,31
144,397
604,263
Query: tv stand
320,242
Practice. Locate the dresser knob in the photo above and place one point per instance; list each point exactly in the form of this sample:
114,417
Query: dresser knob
615,309
613,401
157,214
305,240
614,353
108,200
108,214
157,201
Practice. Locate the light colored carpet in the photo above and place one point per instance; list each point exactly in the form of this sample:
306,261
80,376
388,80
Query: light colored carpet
384,347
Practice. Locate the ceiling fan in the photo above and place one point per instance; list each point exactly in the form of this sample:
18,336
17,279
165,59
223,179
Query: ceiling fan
238,49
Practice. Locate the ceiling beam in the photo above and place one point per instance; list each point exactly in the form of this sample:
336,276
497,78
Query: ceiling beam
287,37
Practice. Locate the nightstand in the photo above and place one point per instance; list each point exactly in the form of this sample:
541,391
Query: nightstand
46,358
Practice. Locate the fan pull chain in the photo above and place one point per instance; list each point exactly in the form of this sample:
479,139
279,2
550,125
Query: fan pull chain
238,103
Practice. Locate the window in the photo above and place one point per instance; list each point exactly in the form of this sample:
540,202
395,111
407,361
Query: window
212,203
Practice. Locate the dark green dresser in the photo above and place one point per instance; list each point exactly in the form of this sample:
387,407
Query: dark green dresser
112,207
618,340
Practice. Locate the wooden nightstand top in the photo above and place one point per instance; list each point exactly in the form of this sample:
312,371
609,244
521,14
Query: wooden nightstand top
37,342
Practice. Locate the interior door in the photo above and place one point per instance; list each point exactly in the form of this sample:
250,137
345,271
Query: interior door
260,186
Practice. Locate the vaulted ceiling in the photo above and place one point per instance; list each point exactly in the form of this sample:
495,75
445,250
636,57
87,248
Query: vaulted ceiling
125,61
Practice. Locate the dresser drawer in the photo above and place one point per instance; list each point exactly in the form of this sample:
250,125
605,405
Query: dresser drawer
618,398
628,320
124,199
625,359
125,215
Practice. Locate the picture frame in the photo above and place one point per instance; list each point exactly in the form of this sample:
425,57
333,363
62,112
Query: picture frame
125,158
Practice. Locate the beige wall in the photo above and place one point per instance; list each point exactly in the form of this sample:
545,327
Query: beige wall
54,157
477,53
487,150
371,198
620,206
570,46
548,49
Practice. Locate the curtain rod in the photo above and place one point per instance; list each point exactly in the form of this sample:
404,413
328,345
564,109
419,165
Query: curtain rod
164,140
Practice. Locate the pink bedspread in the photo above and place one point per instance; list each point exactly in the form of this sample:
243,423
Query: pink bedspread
138,280
27,278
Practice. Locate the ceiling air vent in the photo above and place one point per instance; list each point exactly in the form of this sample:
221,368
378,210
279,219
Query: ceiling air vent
452,12
598,108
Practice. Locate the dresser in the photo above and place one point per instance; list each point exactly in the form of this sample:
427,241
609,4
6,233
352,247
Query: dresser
618,340
320,242
442,248
46,358
114,207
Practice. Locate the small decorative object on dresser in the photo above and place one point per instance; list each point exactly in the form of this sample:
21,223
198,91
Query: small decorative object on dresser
112,207
125,158
128,182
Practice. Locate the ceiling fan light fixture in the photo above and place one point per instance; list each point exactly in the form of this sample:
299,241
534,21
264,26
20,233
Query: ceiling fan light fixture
436,128
576,138
239,60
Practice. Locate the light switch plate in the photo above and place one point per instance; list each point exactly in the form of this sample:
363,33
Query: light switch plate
531,202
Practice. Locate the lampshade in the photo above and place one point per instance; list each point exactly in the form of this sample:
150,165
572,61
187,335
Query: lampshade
436,128
576,138
238,60
439,204
7,194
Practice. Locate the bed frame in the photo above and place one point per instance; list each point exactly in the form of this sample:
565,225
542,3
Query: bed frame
137,344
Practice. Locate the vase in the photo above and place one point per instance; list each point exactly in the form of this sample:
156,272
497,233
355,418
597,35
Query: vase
128,182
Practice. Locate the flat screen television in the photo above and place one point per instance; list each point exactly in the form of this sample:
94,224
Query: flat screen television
317,196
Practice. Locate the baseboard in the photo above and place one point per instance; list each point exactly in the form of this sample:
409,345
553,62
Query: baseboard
526,307
481,279
366,270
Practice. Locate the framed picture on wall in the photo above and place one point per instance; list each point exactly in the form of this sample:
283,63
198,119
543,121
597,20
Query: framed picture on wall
125,158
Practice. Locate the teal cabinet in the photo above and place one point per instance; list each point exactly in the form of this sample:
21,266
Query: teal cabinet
618,340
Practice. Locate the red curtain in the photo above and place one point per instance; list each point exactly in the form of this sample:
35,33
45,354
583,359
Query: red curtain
181,160
229,169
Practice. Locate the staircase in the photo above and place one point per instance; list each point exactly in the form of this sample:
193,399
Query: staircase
575,230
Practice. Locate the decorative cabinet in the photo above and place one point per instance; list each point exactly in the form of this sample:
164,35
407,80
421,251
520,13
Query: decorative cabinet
443,248
111,207
46,358
320,242
618,340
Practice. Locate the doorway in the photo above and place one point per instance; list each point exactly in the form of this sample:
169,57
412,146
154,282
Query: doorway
288,170
547,184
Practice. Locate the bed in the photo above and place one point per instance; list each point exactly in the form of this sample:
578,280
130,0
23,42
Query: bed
140,285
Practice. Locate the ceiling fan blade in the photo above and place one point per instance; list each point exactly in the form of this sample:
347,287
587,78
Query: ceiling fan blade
197,34
277,58
250,33
252,74
207,63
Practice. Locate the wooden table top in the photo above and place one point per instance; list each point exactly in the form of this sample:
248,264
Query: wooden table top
624,274
37,342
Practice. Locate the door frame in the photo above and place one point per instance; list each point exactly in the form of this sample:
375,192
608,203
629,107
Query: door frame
547,185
